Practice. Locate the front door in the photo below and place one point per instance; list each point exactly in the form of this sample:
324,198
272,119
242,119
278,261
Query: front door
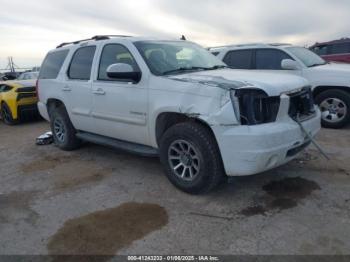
119,107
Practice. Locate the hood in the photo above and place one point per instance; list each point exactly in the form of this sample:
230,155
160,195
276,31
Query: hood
272,84
333,68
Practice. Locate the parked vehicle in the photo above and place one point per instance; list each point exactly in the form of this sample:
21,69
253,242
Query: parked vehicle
17,99
174,99
333,51
9,76
28,76
330,82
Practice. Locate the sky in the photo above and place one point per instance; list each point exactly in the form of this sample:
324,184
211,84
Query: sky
29,29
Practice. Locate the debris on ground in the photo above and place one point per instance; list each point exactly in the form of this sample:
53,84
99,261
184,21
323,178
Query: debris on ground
45,139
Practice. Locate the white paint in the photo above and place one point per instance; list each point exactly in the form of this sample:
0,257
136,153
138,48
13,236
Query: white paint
245,150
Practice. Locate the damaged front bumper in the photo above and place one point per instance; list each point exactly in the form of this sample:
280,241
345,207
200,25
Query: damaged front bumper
248,150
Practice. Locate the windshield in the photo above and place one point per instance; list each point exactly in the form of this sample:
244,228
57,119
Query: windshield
175,57
28,76
309,58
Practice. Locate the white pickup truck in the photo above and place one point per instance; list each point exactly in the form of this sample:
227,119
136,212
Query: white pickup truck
330,82
176,100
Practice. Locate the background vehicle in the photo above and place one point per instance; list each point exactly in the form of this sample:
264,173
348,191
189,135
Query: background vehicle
8,76
28,76
336,51
173,99
330,82
17,100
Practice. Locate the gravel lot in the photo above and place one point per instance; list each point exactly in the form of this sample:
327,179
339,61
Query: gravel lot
102,201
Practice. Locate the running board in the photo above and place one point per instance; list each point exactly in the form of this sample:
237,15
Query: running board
118,144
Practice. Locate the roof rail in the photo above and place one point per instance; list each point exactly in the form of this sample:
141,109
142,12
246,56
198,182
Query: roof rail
279,44
95,38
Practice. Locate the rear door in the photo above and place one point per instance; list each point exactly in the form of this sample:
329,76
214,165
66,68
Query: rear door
119,107
77,88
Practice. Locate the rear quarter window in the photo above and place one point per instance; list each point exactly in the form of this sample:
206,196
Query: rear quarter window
52,64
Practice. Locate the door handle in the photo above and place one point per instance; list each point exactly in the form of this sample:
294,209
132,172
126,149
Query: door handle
66,89
99,91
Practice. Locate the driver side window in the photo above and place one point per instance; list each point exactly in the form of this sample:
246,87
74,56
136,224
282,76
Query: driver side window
113,54
270,59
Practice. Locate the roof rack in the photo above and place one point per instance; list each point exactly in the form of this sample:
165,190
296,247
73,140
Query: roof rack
95,38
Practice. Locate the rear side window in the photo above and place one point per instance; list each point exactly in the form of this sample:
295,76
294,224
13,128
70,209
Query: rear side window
270,59
241,59
81,64
52,64
113,54
341,48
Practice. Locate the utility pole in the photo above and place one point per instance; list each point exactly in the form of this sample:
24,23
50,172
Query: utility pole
11,65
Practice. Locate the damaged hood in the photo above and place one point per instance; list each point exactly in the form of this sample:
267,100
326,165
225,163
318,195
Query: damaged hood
272,84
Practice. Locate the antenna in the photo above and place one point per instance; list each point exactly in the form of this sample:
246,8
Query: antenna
183,38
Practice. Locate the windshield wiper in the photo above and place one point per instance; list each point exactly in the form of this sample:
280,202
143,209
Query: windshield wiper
183,69
217,67
193,68
317,64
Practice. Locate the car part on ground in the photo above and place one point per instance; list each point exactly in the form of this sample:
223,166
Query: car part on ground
44,139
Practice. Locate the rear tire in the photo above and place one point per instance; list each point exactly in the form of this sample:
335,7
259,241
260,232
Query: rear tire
335,108
64,134
191,157
6,115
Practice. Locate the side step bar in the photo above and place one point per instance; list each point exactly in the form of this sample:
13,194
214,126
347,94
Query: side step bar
118,144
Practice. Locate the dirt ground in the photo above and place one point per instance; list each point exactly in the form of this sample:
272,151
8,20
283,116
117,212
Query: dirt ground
102,201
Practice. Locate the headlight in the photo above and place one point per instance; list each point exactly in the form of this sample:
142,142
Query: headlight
255,106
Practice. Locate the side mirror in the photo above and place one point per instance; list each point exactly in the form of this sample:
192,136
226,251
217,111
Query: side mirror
123,72
289,64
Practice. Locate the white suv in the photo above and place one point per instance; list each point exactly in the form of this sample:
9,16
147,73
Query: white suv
176,100
330,81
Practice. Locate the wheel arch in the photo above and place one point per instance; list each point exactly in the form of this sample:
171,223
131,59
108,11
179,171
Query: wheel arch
53,103
320,89
165,120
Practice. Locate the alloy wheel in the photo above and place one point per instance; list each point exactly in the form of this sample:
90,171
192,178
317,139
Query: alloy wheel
184,160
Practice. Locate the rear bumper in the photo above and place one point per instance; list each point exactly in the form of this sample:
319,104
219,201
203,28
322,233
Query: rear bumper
43,110
248,150
27,110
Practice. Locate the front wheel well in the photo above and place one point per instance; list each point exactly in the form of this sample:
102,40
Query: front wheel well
168,119
320,89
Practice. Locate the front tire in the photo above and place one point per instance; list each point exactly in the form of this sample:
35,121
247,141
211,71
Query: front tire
6,115
64,134
191,157
335,108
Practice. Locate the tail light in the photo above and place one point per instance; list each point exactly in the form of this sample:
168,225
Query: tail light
37,88
256,107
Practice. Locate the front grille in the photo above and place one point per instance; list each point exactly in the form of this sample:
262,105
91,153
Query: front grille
301,104
256,107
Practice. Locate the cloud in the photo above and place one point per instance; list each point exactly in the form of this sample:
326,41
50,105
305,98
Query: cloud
29,29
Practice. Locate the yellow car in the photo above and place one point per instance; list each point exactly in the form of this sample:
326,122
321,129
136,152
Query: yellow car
17,99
